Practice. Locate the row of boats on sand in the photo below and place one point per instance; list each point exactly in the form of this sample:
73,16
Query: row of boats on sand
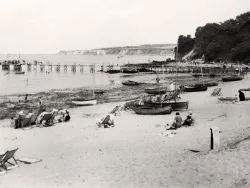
165,103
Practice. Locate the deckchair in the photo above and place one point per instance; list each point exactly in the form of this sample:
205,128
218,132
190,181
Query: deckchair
48,118
25,122
116,110
34,116
6,157
105,121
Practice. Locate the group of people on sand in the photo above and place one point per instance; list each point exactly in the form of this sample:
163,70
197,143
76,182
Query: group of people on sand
178,122
41,117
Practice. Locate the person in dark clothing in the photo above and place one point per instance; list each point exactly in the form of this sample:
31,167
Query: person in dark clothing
241,96
188,121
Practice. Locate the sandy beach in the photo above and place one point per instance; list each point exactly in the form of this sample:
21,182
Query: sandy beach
134,153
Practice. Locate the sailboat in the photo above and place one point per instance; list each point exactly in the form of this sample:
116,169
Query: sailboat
172,100
198,87
234,77
84,101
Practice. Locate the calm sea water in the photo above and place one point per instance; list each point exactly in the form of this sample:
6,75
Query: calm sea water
37,81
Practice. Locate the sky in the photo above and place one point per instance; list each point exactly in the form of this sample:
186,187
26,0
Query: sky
49,26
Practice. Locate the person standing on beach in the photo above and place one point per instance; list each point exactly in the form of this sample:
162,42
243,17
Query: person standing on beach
26,97
40,101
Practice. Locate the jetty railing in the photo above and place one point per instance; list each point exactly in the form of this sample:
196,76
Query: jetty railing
133,68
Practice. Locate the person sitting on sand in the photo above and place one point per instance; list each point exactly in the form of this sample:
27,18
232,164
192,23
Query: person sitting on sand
39,118
241,96
188,121
64,115
177,122
110,121
106,122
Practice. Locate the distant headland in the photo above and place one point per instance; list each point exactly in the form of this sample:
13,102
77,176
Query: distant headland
146,49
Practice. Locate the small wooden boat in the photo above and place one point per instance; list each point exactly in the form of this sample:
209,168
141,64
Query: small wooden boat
130,83
84,102
211,84
232,78
147,110
20,72
195,88
227,98
113,71
208,84
155,91
98,92
245,89
176,106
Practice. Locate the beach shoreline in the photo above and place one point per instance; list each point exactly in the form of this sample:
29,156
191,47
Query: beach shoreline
134,153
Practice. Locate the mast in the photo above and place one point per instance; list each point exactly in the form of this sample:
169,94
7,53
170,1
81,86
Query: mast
202,76
163,75
176,61
93,73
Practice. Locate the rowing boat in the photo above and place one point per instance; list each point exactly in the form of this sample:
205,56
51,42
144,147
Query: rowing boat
84,102
147,110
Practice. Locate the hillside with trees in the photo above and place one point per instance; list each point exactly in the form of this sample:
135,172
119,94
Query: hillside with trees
228,41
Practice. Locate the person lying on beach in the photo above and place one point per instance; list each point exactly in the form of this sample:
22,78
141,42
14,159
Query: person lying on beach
177,122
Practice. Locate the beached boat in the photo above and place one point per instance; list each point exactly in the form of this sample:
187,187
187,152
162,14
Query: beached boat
147,110
208,84
227,98
155,91
176,105
245,89
84,102
211,84
232,78
130,83
20,72
99,92
231,99
195,88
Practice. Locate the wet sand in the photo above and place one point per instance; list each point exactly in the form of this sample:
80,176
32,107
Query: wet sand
133,153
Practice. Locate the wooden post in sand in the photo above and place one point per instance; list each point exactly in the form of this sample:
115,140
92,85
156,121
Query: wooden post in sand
215,138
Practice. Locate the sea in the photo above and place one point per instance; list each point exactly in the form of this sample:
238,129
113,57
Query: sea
43,81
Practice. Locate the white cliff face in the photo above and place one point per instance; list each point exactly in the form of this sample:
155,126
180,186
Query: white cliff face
135,50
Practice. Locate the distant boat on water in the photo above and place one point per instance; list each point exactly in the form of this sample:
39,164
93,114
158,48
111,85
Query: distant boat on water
20,72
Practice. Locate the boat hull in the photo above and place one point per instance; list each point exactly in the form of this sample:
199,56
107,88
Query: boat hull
19,72
130,83
195,89
227,98
155,91
146,110
176,106
84,102
232,78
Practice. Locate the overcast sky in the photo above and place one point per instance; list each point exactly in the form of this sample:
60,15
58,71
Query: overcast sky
48,26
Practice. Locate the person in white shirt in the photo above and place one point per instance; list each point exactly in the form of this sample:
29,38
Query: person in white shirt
171,86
